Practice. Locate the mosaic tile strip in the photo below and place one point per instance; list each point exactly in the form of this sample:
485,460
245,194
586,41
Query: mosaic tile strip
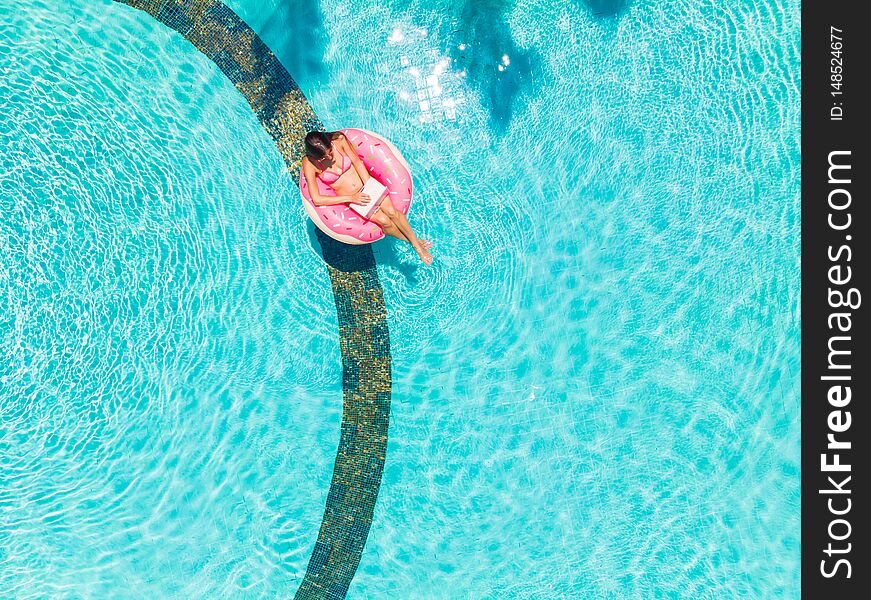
216,31
366,380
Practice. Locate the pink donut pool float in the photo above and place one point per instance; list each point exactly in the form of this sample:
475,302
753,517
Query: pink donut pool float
384,163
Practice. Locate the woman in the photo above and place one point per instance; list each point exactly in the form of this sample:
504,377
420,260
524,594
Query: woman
329,157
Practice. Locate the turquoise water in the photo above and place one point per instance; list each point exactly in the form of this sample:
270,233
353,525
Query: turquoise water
596,384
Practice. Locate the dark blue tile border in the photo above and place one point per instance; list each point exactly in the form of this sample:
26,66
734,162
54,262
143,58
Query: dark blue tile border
216,31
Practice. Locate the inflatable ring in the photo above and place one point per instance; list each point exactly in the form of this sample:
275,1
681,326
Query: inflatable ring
384,163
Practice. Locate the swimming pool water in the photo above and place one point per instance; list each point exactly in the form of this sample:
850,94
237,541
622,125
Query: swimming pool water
595,386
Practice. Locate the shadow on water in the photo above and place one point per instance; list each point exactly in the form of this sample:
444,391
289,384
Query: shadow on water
295,30
350,258
387,255
483,46
606,8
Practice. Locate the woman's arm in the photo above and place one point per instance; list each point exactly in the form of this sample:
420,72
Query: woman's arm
318,199
351,150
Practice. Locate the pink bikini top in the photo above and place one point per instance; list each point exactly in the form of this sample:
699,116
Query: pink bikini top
346,164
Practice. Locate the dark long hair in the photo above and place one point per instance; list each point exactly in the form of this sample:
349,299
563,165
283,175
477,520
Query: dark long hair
317,143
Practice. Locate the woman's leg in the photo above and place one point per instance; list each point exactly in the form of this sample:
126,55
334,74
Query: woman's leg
387,225
391,230
401,223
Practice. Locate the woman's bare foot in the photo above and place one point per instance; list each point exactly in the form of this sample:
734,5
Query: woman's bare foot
426,244
424,254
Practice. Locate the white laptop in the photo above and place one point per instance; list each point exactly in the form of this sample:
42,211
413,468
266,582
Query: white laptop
376,192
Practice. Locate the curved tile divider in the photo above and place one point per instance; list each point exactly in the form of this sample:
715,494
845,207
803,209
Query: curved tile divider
216,31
